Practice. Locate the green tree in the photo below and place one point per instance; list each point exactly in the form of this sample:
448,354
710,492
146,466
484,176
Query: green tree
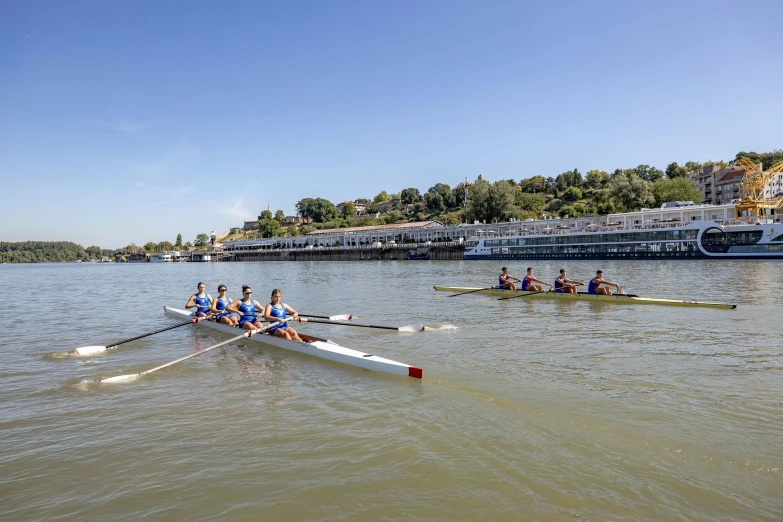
677,189
674,170
445,193
693,166
164,246
178,243
201,240
648,173
632,192
596,179
151,247
434,202
569,178
492,202
530,203
318,209
393,217
363,201
566,211
265,214
381,197
349,210
572,194
269,228
132,248
293,231
279,216
533,185
410,195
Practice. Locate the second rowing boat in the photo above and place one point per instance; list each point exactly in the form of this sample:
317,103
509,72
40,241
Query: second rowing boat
584,296
315,346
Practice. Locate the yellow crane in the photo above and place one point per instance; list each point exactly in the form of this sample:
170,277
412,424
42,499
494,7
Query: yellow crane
751,189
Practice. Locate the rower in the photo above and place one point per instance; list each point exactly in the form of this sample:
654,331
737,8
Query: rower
504,280
247,309
276,311
219,308
563,285
200,301
594,287
528,279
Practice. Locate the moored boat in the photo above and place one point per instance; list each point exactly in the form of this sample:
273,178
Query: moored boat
322,348
584,296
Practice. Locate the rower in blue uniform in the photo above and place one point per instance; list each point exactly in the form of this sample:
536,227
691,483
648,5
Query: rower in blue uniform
529,279
219,307
247,308
200,301
563,285
504,280
594,287
276,311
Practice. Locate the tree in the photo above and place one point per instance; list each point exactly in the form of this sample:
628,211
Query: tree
566,211
381,197
318,209
531,203
349,210
673,170
492,202
201,240
279,216
648,173
445,193
410,195
434,202
293,231
596,179
572,194
363,201
151,247
632,192
179,241
692,166
164,246
569,178
393,217
265,214
551,184
677,189
533,185
132,248
268,228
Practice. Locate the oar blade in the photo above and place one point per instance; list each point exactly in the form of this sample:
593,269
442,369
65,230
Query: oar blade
345,317
89,350
411,328
121,378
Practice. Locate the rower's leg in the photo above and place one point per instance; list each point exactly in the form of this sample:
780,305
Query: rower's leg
280,333
293,334
225,320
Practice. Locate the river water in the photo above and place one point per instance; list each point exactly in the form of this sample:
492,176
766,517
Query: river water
528,410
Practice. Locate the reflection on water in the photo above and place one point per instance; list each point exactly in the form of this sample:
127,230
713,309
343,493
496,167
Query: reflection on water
529,408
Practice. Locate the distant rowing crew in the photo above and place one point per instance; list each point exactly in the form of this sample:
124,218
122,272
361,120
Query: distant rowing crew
563,285
223,308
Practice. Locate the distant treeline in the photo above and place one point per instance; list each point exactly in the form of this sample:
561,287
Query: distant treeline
49,252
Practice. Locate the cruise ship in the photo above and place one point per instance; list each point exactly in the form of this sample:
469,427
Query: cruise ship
677,230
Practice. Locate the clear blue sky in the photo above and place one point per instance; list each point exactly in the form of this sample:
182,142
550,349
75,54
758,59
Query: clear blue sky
135,121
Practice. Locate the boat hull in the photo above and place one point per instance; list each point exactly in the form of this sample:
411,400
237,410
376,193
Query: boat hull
584,296
321,348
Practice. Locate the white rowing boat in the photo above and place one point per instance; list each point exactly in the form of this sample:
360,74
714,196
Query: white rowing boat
315,346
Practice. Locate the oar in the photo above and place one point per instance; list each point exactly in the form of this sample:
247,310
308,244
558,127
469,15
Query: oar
419,328
344,317
476,290
91,350
525,295
134,376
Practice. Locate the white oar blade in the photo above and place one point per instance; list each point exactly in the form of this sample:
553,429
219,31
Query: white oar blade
121,378
346,317
89,350
411,329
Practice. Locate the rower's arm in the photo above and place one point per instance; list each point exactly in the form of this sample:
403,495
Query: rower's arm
191,302
268,313
290,310
233,307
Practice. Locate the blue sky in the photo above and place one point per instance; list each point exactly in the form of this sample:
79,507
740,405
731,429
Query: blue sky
135,121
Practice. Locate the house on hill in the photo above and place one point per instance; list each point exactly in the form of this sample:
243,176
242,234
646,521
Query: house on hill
361,208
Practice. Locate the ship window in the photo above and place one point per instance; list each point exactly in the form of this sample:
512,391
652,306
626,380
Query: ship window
779,238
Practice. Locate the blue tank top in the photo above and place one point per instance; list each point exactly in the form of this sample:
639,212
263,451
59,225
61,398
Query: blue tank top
247,308
203,304
525,283
278,311
222,303
502,282
592,286
558,286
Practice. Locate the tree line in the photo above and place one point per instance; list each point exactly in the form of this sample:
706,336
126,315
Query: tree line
49,252
571,194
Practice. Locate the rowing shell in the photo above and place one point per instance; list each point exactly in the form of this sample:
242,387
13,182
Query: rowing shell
315,346
584,296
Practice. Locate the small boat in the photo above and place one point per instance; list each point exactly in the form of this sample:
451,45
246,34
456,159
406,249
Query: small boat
584,296
411,255
323,348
